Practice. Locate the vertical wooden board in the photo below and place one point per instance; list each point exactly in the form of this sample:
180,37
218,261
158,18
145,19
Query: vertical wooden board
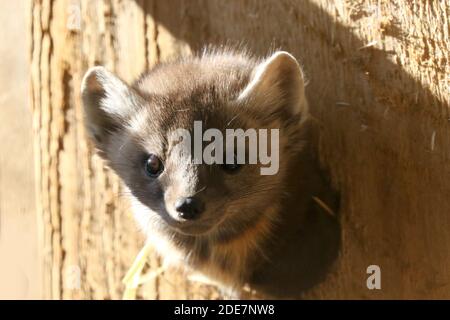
78,226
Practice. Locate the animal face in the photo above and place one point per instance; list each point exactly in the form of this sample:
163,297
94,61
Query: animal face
137,130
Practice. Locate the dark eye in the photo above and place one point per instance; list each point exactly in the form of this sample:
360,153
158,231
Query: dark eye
231,167
153,166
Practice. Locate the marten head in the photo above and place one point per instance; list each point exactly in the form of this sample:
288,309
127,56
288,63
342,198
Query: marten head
137,130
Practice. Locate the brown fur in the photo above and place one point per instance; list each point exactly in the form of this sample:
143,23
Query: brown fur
244,211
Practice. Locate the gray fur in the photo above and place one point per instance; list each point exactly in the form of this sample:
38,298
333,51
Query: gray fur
251,221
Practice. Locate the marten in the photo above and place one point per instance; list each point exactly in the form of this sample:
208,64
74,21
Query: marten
275,233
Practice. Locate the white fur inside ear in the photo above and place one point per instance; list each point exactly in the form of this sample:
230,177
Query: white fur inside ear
115,96
108,103
278,76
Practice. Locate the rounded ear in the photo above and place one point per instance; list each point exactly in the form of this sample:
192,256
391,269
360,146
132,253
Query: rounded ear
277,83
108,103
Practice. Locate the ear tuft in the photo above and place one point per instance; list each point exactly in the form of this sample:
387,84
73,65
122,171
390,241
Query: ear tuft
91,80
278,81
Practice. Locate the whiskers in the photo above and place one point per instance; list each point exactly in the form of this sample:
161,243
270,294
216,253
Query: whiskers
200,190
256,190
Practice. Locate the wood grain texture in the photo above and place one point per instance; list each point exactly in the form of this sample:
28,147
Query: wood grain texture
379,84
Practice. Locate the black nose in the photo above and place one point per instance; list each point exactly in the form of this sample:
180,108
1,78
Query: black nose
189,208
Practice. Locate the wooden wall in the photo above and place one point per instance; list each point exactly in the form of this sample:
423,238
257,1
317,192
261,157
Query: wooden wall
378,81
